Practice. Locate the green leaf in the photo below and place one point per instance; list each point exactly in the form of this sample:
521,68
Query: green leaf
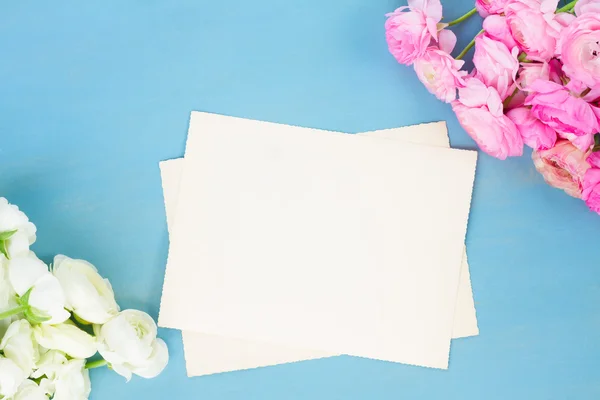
4,249
24,300
6,235
36,316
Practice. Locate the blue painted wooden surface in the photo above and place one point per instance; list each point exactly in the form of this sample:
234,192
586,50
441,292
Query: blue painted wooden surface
94,93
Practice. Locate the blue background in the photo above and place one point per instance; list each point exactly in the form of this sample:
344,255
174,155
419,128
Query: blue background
94,93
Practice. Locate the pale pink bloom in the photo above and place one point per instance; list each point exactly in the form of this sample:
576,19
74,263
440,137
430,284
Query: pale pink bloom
479,111
583,142
579,47
496,65
440,73
591,189
410,30
533,26
535,134
495,26
531,72
563,167
488,7
587,6
556,107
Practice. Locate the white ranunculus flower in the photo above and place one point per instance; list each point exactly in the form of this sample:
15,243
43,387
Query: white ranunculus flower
11,377
13,219
72,382
89,296
129,344
19,345
29,390
46,298
8,297
66,338
50,364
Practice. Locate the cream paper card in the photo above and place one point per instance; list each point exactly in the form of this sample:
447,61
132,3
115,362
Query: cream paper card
210,354
319,240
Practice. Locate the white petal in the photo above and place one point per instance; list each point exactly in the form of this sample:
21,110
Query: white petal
122,370
48,297
88,295
18,245
11,377
73,382
29,390
11,218
50,364
157,361
24,271
66,338
19,346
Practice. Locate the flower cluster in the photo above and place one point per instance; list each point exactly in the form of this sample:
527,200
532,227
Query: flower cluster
53,319
536,81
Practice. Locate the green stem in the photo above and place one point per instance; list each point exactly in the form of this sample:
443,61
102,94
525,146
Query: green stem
596,142
568,7
585,92
95,364
469,46
463,18
14,311
507,101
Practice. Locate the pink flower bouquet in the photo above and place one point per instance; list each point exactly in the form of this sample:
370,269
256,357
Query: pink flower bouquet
536,81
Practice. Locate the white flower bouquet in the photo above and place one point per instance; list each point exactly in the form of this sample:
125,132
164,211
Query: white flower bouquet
53,320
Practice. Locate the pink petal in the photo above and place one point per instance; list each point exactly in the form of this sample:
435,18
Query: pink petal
548,6
587,6
447,40
433,8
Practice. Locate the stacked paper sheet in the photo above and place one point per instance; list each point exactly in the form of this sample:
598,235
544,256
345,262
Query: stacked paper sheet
290,244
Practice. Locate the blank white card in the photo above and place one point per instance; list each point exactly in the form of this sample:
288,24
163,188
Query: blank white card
319,240
209,354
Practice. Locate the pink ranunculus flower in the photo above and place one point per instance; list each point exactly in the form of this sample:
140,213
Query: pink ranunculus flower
439,72
562,166
410,30
533,26
496,65
531,72
496,27
535,134
591,189
479,111
556,107
579,47
489,7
